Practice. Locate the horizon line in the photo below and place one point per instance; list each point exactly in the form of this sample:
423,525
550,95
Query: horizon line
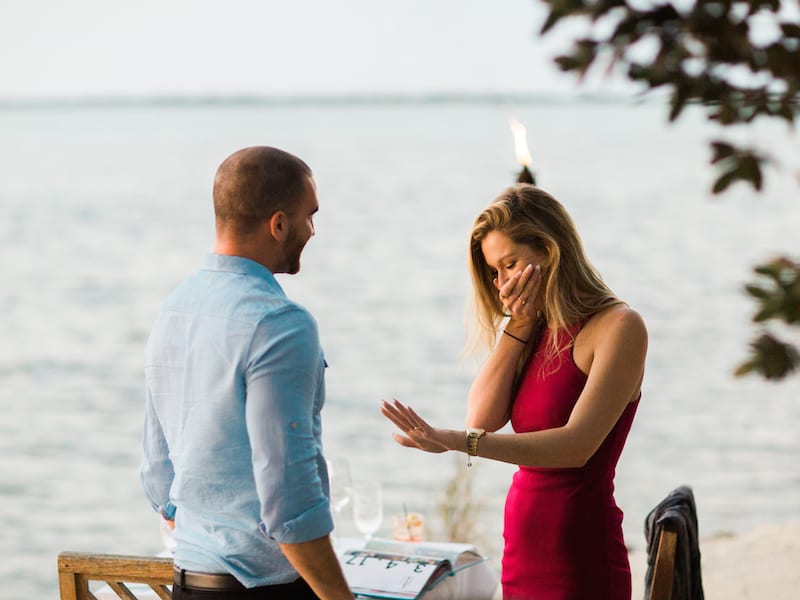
311,99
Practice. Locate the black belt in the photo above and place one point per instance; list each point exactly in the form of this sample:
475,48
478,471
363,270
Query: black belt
206,581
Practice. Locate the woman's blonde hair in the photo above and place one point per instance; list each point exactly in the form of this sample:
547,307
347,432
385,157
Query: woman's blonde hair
572,289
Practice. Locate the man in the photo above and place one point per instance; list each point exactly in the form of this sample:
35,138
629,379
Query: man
235,385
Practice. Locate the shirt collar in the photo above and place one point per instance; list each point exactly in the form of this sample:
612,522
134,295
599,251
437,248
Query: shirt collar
242,266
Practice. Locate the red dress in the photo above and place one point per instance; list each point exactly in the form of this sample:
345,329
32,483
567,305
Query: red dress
563,529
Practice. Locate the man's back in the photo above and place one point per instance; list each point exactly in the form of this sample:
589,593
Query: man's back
232,438
232,446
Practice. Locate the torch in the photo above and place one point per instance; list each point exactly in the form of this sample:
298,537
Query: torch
523,155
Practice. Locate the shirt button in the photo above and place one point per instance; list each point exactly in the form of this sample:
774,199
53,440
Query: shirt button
293,425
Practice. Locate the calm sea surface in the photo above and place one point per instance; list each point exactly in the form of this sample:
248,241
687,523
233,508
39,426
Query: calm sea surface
104,210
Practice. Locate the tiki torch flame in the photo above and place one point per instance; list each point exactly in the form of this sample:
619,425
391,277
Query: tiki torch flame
523,154
520,142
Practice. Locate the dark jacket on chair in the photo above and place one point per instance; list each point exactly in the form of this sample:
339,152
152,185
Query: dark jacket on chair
679,512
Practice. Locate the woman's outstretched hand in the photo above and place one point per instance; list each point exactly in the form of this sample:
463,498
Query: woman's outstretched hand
417,432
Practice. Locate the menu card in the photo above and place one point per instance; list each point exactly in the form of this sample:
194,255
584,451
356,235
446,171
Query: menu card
388,569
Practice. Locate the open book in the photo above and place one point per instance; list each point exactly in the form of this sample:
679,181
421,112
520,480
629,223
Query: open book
403,570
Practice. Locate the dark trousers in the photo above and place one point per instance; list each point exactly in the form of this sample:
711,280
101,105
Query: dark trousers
297,590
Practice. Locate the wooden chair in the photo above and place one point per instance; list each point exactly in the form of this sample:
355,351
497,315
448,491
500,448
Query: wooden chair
664,566
77,569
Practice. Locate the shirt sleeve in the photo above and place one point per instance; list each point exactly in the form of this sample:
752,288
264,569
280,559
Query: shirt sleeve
156,470
283,381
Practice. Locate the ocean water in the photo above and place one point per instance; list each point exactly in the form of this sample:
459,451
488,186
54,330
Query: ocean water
105,209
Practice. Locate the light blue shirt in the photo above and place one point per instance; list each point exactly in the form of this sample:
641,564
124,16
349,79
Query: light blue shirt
232,433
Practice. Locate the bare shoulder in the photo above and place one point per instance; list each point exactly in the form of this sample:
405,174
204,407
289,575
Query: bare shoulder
621,315
615,335
619,322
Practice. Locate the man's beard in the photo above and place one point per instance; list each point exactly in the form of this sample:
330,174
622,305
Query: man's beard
293,251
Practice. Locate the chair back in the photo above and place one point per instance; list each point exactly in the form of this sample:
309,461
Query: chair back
664,566
149,573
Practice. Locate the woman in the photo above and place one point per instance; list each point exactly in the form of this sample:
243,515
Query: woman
567,372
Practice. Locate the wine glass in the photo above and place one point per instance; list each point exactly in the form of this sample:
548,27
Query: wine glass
367,507
340,483
340,491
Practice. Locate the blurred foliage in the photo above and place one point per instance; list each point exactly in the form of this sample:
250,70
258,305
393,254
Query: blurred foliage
777,295
739,60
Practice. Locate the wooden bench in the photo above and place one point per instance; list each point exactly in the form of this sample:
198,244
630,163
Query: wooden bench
664,567
77,569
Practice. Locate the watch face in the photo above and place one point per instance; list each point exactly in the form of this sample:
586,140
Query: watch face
475,430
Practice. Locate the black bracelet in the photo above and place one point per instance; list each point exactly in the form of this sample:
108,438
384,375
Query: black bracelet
511,335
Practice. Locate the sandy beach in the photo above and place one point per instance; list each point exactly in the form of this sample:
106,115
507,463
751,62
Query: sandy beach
758,565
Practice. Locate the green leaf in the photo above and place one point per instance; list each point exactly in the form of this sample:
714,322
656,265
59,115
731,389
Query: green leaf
790,30
736,164
756,291
582,57
723,182
745,369
678,101
786,112
771,358
722,150
779,296
550,22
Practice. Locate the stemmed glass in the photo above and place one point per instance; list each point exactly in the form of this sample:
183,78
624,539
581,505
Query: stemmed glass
340,483
368,507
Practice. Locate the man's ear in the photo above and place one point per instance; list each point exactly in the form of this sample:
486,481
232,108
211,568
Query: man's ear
278,225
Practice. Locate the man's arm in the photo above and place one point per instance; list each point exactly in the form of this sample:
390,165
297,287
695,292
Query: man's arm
284,392
317,564
156,469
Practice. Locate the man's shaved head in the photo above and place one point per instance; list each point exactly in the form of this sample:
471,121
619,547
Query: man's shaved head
253,183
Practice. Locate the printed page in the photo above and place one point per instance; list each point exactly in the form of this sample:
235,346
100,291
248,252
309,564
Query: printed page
456,554
382,575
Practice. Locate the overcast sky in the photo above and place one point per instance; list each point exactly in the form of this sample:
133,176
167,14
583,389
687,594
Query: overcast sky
69,48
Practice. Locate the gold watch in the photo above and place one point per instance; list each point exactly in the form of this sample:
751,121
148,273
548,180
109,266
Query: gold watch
473,435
